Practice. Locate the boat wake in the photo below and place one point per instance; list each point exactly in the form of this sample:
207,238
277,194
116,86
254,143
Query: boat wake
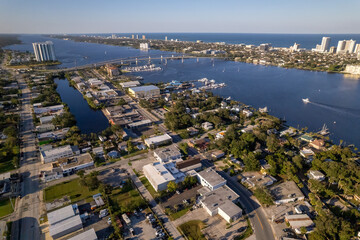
344,110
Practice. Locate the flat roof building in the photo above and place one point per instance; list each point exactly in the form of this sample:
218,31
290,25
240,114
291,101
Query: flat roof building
54,154
286,192
158,176
87,235
64,221
170,153
156,141
78,162
211,179
220,201
130,84
149,91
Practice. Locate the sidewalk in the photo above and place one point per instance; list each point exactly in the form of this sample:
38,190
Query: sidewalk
155,207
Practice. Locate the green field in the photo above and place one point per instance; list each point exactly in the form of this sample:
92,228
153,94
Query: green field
5,207
128,198
192,229
72,188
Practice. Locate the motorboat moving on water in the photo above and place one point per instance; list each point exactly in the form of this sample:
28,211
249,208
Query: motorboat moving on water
306,100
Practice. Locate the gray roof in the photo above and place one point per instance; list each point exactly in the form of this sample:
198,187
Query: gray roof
144,88
167,153
62,214
66,226
211,176
221,198
87,235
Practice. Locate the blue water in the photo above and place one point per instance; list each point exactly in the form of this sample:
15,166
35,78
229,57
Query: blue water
87,119
72,54
334,98
307,41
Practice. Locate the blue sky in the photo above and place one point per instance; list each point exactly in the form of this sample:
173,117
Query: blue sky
232,16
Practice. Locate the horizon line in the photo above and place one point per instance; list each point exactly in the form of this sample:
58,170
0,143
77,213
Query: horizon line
181,33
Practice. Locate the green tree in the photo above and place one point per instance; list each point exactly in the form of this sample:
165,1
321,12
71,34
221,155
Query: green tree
172,186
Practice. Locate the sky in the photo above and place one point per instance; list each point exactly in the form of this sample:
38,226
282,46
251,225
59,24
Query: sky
210,16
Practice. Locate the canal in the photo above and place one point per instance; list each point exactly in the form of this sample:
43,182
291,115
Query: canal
87,119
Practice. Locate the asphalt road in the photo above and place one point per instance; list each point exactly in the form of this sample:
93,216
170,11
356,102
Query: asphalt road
259,222
27,211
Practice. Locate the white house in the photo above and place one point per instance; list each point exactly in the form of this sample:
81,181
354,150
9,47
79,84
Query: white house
317,175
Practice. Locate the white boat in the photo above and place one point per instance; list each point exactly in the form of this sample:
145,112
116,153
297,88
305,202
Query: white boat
306,100
263,110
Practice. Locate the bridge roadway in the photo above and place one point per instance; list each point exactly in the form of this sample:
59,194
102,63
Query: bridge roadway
126,60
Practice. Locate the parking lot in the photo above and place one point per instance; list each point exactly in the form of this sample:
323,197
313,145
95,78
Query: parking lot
143,228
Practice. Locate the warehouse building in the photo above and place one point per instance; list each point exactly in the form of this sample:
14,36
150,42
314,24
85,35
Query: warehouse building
149,91
64,221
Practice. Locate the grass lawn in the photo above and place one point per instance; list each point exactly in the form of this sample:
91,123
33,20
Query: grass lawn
128,198
5,207
6,166
70,188
180,213
150,188
136,153
192,229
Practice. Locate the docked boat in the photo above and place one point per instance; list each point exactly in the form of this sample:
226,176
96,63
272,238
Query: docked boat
306,100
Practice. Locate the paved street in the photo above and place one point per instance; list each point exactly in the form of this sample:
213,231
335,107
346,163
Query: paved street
27,212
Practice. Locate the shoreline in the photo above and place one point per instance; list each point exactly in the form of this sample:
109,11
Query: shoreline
229,55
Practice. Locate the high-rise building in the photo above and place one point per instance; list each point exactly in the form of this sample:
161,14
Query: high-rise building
132,36
346,46
165,38
325,44
137,36
357,48
341,46
332,49
143,37
350,46
44,51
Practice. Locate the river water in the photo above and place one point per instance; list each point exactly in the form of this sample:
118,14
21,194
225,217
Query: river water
334,98
87,119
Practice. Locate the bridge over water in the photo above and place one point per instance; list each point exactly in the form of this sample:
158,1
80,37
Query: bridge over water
129,60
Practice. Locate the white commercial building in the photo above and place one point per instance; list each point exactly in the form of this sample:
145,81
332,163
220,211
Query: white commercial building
78,162
130,84
44,51
158,176
54,154
64,221
211,179
144,91
156,141
220,201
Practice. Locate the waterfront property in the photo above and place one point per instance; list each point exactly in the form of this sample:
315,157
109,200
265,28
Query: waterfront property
149,91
